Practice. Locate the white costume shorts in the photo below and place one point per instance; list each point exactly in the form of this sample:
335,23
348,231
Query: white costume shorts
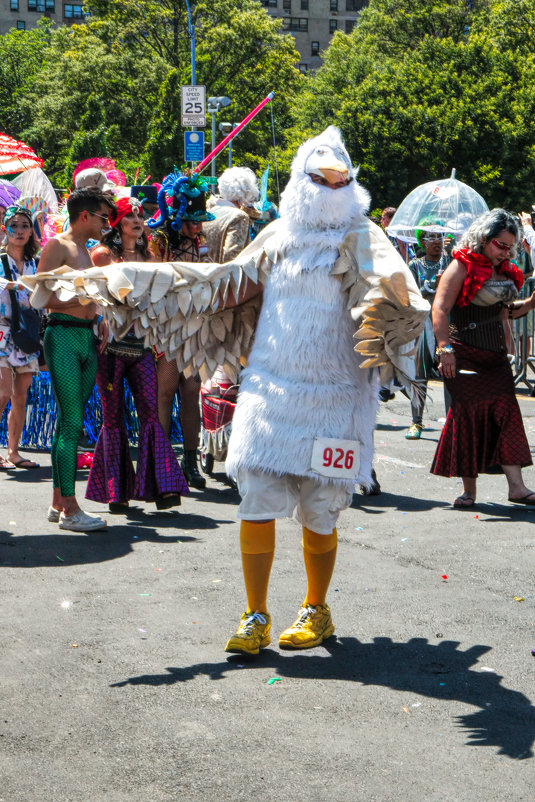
265,497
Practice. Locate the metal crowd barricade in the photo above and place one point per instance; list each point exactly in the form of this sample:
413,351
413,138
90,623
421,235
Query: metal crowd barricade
523,342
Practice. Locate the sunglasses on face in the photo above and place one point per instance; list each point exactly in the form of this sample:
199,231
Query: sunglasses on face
102,216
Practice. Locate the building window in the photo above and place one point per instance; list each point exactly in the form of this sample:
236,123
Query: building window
333,5
295,24
333,25
355,5
350,24
36,5
304,5
269,3
14,5
287,5
314,48
73,12
21,25
303,67
50,5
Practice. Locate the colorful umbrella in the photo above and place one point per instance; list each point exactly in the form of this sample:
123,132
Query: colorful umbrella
16,156
448,203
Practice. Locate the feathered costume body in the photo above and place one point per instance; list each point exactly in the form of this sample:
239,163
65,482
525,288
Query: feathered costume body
303,378
327,271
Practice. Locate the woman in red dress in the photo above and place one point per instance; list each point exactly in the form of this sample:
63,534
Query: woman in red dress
484,432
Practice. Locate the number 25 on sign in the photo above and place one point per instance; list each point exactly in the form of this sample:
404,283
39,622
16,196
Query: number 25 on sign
335,458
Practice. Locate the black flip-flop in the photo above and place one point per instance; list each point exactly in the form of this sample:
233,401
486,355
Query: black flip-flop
524,500
27,464
5,466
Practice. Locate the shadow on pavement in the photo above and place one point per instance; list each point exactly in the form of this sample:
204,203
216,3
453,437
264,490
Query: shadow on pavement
64,548
506,718
391,500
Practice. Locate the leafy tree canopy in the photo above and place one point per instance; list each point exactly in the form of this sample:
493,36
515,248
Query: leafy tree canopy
112,86
422,86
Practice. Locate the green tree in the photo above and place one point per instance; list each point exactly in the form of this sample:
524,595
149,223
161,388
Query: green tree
21,56
112,86
392,27
446,101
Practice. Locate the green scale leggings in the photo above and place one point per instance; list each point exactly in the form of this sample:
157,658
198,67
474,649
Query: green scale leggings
72,361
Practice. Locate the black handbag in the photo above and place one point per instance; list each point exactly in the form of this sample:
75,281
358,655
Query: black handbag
25,323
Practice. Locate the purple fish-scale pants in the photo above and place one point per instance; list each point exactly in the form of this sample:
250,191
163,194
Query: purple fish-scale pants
112,475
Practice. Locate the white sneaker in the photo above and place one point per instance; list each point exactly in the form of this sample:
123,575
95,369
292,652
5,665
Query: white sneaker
53,515
81,522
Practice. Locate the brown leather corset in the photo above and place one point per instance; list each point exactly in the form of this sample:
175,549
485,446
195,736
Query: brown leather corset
479,326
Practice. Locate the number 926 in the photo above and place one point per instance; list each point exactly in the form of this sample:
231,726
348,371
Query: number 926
338,458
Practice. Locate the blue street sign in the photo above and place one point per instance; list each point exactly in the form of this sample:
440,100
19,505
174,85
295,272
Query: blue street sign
193,146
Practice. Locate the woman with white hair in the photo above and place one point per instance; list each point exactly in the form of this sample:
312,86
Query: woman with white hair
229,233
484,432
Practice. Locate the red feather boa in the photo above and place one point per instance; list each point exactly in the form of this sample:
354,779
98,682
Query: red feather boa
479,270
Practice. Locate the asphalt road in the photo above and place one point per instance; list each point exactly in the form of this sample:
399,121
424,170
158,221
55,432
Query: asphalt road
115,686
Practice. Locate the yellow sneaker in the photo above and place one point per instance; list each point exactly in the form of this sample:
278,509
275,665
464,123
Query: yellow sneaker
252,634
312,626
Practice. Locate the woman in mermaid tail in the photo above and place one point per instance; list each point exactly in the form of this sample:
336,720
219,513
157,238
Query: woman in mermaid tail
158,476
484,432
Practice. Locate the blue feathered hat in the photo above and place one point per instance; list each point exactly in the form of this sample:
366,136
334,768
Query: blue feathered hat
182,197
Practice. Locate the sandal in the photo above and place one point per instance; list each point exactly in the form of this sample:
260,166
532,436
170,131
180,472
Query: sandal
464,502
29,464
6,465
525,499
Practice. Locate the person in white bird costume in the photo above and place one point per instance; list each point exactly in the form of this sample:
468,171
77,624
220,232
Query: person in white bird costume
339,314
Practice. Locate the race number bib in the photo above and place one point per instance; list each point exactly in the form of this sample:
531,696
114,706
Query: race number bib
337,459
4,335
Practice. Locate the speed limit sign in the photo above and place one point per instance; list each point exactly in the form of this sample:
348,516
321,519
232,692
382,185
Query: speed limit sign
193,106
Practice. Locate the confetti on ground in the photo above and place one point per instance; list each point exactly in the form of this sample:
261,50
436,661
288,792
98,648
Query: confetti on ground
360,529
159,569
488,669
444,577
12,523
145,594
476,516
404,539
417,704
74,645
141,630
273,679
519,598
533,652
60,558
66,604
215,581
405,709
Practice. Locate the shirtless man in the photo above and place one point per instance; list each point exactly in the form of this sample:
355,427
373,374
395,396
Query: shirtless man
70,352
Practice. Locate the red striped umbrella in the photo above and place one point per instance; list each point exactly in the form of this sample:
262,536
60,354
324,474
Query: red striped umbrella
16,156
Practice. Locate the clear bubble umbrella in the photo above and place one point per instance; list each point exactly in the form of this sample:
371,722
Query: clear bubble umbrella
449,205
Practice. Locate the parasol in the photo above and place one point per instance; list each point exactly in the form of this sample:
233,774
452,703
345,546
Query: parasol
103,163
16,156
9,194
449,202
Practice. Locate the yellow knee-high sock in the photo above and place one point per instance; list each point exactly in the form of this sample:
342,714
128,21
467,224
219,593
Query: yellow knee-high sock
257,543
319,552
